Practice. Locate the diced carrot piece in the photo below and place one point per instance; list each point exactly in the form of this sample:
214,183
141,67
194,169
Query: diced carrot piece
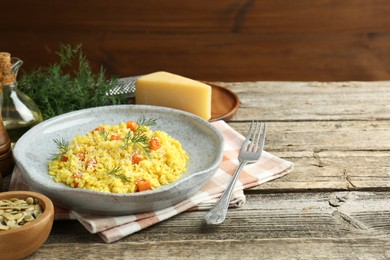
99,128
135,158
143,185
154,143
77,176
115,137
132,125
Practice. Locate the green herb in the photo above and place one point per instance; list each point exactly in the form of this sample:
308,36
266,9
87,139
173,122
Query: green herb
63,148
114,172
137,138
141,141
142,121
103,134
68,85
127,140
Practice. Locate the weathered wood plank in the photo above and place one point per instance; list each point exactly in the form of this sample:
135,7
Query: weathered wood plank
329,155
312,101
281,215
296,248
333,171
319,136
339,214
353,221
329,150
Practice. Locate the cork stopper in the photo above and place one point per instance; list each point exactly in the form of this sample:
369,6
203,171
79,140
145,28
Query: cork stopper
8,76
5,56
5,60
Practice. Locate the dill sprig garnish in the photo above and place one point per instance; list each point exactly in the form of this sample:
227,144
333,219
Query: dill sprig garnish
68,85
142,121
138,139
103,134
63,148
114,173
127,140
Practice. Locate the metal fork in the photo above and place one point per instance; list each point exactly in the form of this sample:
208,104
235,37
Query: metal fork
250,152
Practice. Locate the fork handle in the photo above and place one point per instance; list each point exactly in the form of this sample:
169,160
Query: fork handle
217,214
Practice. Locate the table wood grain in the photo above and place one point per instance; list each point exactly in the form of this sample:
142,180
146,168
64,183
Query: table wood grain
333,205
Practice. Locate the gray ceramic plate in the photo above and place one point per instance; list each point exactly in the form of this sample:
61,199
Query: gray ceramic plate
202,141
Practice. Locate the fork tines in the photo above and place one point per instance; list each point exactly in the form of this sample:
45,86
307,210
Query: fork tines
256,136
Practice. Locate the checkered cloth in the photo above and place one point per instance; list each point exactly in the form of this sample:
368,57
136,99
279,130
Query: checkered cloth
113,228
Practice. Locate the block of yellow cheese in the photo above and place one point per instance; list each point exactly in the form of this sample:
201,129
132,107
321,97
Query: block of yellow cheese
174,91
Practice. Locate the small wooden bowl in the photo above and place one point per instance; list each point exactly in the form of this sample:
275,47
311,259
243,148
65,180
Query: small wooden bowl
21,242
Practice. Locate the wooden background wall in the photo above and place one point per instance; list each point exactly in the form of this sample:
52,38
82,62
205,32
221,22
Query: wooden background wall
217,40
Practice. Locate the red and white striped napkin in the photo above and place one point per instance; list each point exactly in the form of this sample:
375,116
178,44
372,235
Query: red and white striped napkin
113,228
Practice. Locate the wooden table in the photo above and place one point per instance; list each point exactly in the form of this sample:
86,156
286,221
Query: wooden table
335,204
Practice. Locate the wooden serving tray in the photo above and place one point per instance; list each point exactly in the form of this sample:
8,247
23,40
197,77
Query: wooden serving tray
224,103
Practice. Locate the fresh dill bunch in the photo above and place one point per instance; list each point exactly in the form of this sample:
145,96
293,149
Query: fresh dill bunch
114,173
62,147
68,85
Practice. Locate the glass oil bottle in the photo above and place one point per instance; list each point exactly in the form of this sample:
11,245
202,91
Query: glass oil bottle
19,111
6,156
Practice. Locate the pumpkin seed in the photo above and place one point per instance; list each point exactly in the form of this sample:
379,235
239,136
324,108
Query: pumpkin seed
28,218
30,201
8,216
3,227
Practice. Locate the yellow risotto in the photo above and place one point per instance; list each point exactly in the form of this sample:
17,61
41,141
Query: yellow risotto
123,158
